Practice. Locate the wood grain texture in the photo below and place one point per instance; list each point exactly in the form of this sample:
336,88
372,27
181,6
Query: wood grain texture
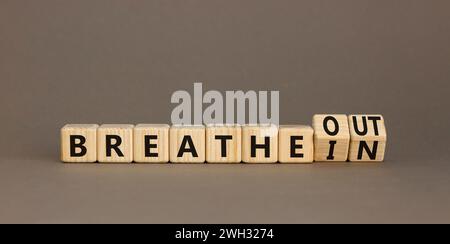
89,133
260,132
160,140
369,130
323,138
304,139
125,133
188,138
232,153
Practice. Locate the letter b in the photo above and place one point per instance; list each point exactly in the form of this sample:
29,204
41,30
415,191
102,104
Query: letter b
77,142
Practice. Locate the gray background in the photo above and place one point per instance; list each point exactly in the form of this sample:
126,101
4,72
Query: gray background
119,62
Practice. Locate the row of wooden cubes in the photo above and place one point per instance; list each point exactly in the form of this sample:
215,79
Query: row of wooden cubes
333,137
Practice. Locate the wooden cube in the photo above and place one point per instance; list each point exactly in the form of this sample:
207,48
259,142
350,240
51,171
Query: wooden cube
223,144
187,144
79,143
260,144
151,143
295,144
367,138
331,137
115,143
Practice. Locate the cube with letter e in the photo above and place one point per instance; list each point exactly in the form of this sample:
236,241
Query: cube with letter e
151,143
295,144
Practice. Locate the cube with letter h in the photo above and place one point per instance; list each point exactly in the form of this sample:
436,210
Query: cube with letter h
260,144
79,143
331,137
368,138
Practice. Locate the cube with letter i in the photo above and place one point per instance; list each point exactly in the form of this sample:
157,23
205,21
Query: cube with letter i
331,137
367,138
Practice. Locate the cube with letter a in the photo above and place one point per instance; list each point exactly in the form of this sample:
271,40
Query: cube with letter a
187,144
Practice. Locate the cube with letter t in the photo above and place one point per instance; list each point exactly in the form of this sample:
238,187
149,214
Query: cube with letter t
368,138
223,143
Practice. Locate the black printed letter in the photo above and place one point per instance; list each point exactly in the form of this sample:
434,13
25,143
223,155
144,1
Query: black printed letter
331,152
149,145
295,146
190,149
355,125
372,154
74,145
265,146
110,146
336,125
223,145
375,124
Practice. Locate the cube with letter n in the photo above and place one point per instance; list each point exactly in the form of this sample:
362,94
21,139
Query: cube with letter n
367,138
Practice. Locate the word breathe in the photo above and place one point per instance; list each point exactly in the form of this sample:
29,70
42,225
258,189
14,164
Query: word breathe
332,137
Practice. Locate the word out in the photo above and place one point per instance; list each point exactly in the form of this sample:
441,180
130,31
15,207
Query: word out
332,137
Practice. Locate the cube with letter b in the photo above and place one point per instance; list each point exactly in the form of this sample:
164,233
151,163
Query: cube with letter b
115,143
331,137
295,144
368,138
187,144
260,144
79,143
151,143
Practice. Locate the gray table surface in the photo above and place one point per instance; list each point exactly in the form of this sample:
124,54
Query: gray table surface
46,191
